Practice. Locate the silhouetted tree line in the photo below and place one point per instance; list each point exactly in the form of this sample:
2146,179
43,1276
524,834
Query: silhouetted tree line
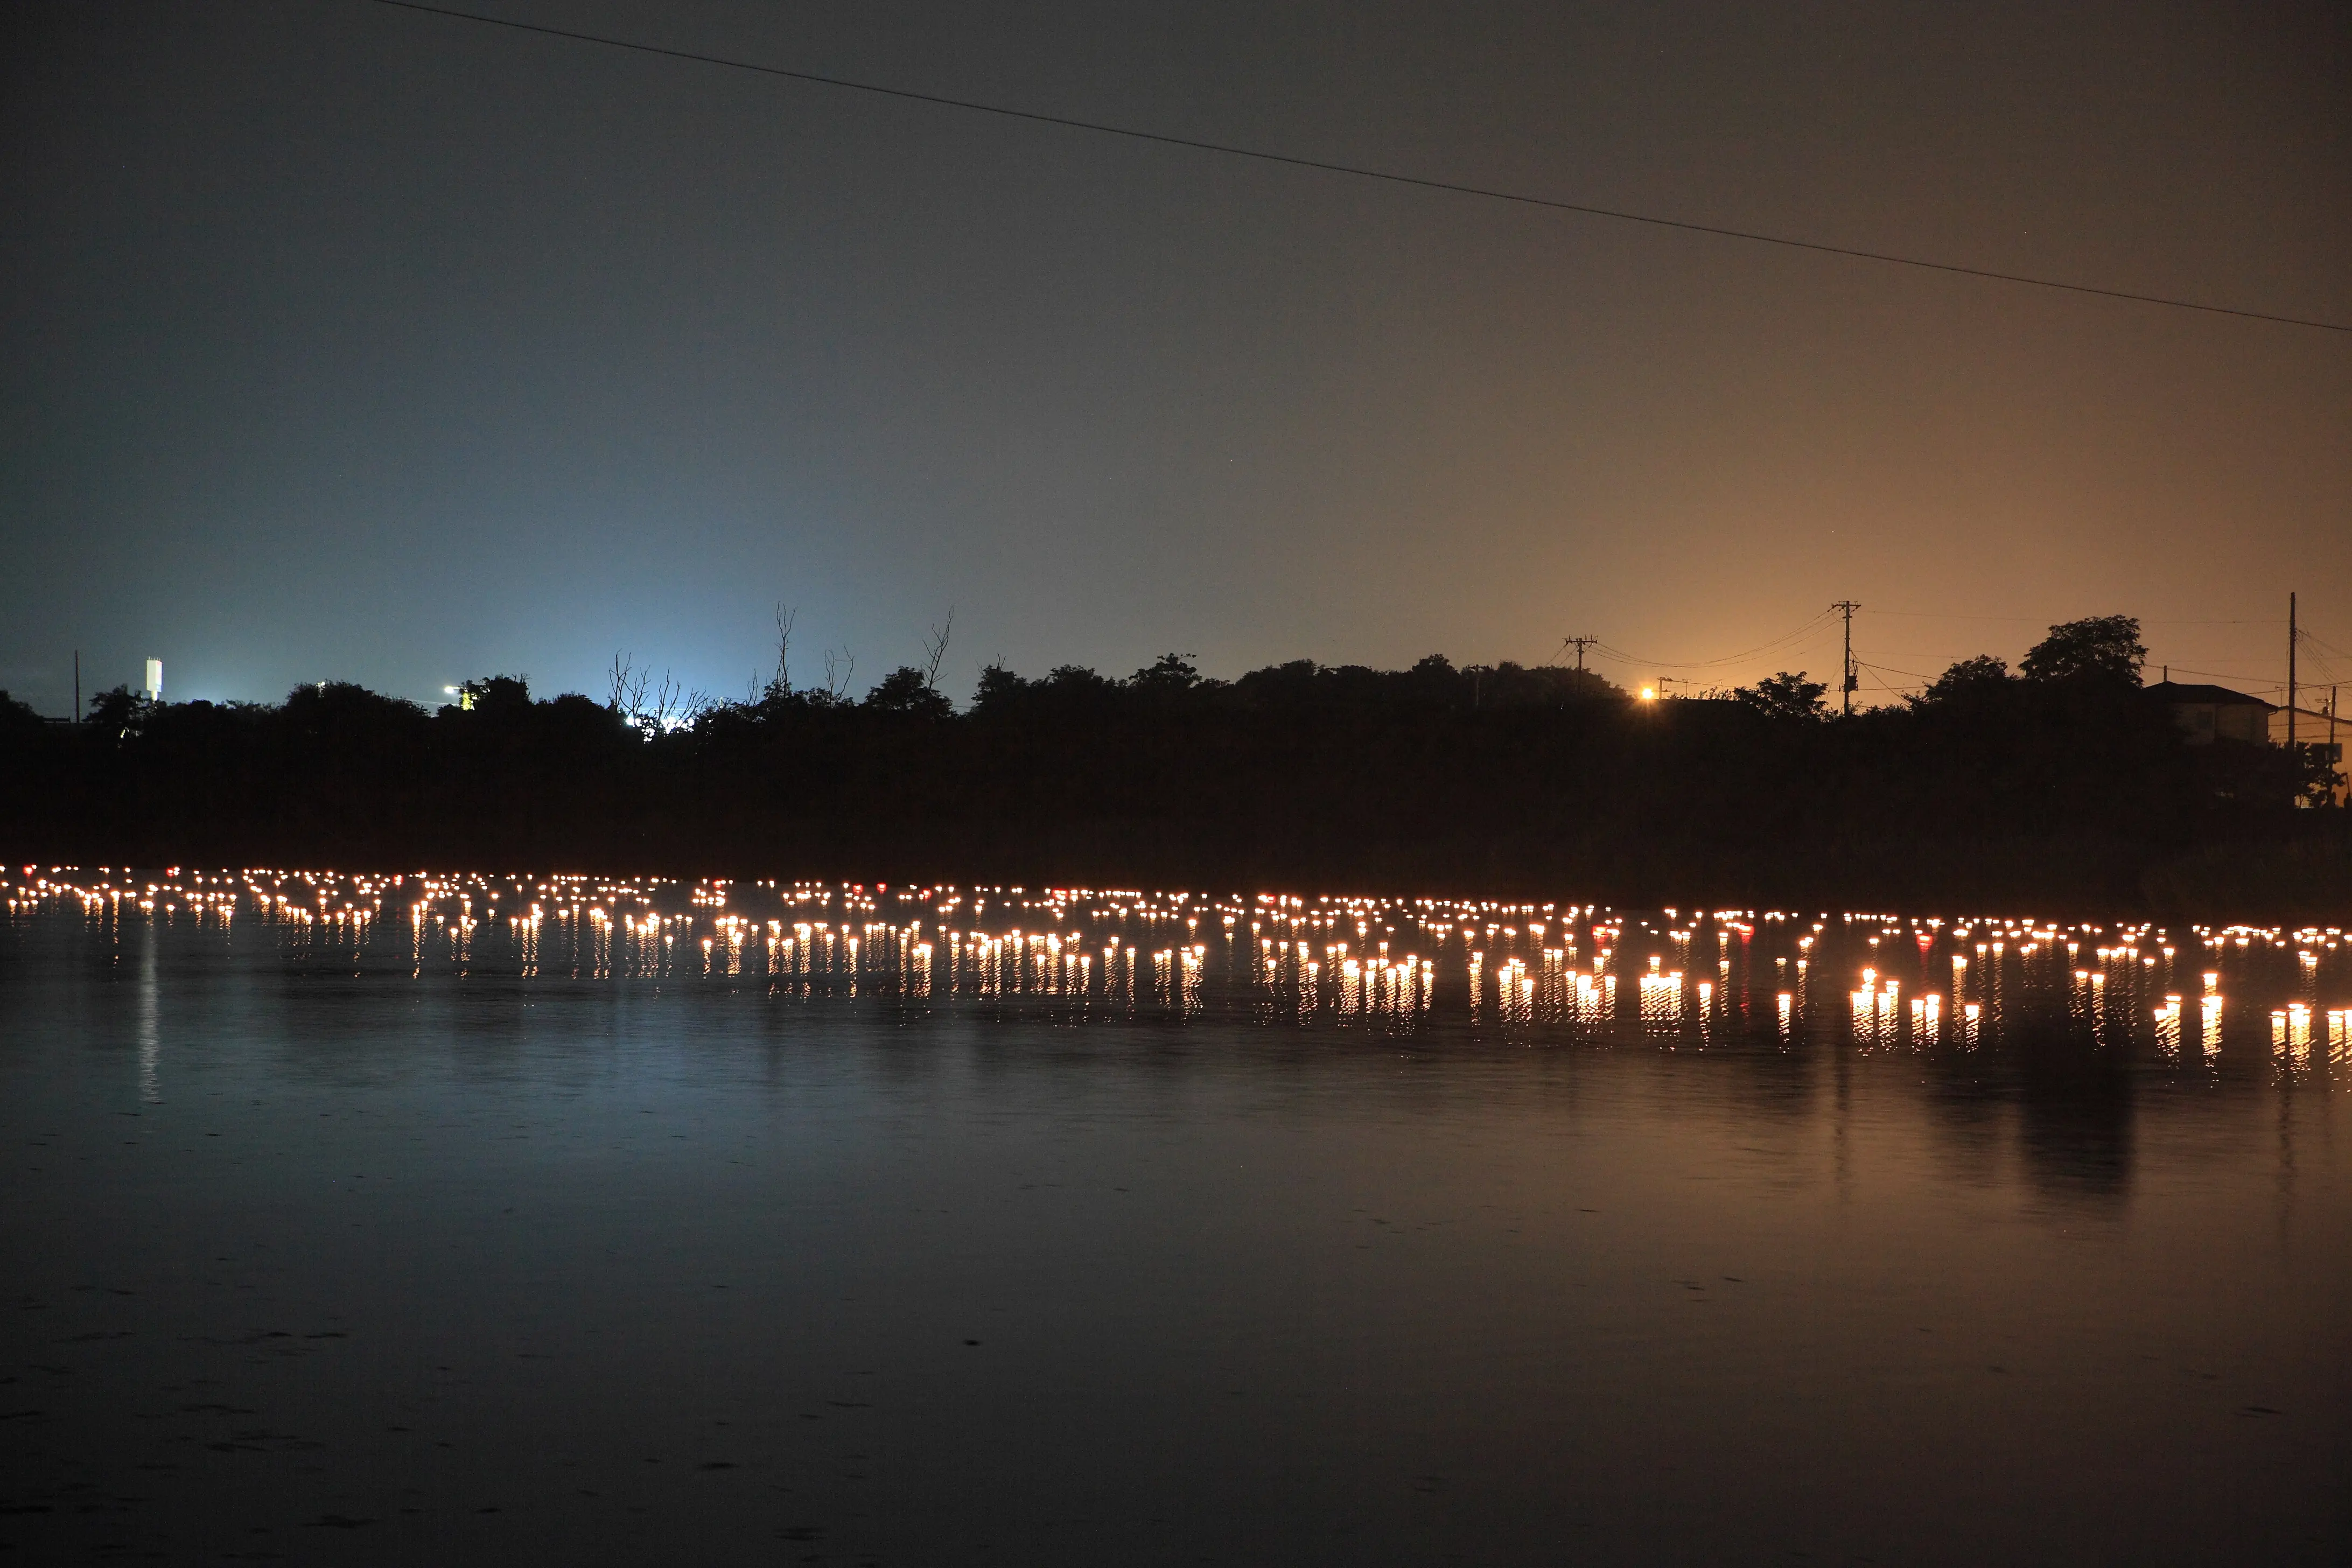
2060,785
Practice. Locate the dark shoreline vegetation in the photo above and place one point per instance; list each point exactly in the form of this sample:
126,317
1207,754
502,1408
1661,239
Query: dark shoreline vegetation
2060,787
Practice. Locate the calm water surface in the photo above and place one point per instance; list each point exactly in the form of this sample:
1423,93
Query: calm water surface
471,1221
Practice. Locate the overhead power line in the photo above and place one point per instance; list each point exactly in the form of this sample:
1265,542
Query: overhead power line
2309,637
2328,673
2223,675
1624,657
1359,171
2043,620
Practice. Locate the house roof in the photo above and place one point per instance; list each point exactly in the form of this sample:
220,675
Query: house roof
2179,691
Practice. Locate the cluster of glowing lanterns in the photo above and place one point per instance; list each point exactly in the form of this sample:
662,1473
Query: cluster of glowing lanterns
1526,963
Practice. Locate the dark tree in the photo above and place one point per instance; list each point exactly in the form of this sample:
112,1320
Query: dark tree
117,711
329,705
908,690
1979,677
1786,697
1170,672
2251,774
17,718
502,695
2101,650
998,686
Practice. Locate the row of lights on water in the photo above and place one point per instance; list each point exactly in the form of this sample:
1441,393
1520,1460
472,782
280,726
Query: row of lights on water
1912,982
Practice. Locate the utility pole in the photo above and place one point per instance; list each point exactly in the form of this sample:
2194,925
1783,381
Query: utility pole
1579,644
76,686
2292,639
1851,680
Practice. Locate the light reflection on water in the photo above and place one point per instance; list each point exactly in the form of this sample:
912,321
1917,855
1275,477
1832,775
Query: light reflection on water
465,1218
1544,973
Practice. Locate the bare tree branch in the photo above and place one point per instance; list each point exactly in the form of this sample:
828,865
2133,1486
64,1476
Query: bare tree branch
782,684
838,670
627,688
935,650
665,703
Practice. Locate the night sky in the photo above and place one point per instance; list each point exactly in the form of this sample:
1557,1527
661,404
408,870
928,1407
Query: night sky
338,341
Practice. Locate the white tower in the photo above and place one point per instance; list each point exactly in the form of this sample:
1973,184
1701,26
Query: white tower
155,680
